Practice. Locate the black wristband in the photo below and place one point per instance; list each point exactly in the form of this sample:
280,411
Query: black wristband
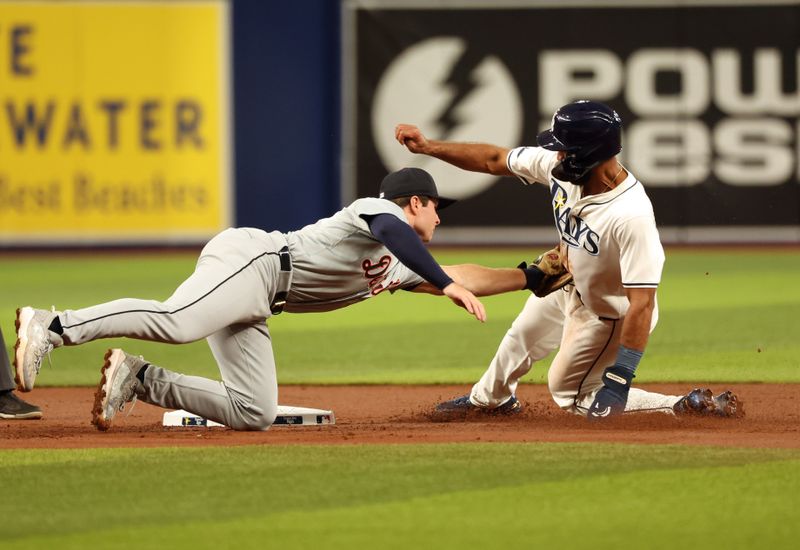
533,276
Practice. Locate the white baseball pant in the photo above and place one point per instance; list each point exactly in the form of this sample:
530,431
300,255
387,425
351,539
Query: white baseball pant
586,346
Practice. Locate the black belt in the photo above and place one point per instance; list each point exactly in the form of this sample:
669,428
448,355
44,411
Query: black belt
578,294
279,301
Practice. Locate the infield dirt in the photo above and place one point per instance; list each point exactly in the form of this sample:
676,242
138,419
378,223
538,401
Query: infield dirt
401,414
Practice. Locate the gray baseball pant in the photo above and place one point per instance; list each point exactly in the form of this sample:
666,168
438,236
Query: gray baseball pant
226,301
6,381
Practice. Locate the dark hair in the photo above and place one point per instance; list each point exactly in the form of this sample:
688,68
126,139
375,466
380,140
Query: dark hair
402,202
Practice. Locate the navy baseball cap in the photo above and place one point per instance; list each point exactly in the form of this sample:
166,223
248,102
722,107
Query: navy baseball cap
407,182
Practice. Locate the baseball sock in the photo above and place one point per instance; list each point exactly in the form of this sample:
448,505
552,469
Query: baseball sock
55,326
140,374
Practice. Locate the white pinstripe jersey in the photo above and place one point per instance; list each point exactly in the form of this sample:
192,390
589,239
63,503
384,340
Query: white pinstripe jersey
610,239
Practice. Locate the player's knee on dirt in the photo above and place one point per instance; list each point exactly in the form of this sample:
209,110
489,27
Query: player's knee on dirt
254,416
252,421
258,422
563,396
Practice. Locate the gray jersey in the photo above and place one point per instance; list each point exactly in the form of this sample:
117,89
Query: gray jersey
338,261
335,262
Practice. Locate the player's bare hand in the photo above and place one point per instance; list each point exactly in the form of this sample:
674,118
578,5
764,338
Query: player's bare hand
410,136
466,299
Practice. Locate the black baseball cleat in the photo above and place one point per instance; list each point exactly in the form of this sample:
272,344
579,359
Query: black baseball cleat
701,401
14,408
461,406
698,401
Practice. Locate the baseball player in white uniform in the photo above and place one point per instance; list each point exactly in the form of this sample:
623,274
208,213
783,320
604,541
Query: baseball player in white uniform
609,243
242,278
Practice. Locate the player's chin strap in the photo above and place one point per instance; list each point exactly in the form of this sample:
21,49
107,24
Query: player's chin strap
574,171
283,283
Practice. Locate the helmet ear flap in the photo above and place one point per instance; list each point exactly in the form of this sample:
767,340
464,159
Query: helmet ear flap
573,171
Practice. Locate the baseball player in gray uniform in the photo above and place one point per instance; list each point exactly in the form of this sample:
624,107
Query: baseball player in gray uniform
242,278
609,243
11,406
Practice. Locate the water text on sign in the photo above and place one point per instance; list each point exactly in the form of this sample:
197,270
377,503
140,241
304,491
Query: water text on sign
160,123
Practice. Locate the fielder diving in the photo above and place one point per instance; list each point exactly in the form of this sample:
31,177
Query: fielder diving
609,243
242,278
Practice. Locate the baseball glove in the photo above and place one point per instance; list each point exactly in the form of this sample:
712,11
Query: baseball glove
556,275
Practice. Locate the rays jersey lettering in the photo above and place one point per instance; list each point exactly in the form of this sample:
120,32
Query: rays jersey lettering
573,229
375,274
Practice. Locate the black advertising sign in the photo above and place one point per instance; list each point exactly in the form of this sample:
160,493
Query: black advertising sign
709,96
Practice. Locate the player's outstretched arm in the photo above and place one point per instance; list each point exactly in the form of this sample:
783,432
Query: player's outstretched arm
458,294
466,299
476,157
486,281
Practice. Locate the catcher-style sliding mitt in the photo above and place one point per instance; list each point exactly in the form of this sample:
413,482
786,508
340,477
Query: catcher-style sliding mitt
555,275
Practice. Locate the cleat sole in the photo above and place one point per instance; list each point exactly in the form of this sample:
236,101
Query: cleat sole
25,416
24,316
98,417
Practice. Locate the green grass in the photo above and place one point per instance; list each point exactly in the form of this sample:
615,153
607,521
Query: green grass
725,316
402,496
719,321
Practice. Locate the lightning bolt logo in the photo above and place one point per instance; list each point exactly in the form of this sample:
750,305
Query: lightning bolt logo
463,82
461,93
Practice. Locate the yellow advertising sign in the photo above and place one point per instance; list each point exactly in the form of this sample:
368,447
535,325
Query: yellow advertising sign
114,121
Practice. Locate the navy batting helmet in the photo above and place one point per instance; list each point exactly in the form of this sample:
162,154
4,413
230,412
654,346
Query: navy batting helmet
589,132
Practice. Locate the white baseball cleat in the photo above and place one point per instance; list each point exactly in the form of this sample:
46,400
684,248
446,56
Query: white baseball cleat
34,341
117,386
